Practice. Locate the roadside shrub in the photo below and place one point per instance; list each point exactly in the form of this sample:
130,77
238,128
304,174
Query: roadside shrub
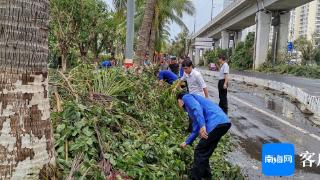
213,56
317,56
296,70
201,62
308,52
243,55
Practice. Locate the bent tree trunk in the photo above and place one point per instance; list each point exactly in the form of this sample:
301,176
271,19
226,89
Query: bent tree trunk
152,41
144,32
26,146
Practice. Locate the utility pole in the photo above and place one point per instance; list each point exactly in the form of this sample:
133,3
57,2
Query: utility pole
130,34
194,24
212,10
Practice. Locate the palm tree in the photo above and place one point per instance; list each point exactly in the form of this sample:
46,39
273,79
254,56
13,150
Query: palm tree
172,11
144,32
26,146
119,4
165,13
179,45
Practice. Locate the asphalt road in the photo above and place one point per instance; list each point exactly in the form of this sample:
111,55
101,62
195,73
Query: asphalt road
265,116
310,86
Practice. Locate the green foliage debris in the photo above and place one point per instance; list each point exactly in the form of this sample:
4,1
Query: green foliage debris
138,121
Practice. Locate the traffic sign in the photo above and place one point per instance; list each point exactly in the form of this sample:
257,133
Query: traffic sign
290,46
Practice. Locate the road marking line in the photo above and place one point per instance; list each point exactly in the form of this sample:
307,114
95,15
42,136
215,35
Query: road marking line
274,117
315,136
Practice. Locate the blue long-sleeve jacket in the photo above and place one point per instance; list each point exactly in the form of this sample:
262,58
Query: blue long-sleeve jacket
203,112
106,64
167,76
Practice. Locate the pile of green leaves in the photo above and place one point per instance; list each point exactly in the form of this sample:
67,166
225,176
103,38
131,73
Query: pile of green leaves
139,122
297,70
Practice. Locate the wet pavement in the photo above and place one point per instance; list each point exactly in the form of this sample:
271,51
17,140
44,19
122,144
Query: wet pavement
310,86
263,116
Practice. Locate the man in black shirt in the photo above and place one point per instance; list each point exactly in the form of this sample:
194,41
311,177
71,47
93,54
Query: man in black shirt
174,66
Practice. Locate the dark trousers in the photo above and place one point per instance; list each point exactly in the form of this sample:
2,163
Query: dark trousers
201,168
190,125
223,97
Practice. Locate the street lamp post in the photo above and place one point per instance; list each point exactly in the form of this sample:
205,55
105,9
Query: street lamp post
130,34
212,10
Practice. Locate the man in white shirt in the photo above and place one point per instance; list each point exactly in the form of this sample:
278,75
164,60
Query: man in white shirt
223,84
196,84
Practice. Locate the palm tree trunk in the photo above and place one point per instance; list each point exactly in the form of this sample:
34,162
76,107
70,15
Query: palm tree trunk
26,143
144,32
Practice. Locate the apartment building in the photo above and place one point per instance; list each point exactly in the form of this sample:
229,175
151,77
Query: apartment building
305,21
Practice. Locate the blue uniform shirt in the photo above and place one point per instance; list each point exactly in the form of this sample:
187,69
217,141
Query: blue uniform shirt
106,64
167,76
181,71
203,112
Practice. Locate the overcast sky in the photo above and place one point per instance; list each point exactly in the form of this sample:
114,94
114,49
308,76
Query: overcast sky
200,19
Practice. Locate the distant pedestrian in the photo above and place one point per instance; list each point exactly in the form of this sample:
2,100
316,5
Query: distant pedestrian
211,123
166,76
223,83
106,64
174,66
146,61
163,65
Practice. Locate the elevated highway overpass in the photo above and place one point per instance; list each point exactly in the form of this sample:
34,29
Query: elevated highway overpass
245,13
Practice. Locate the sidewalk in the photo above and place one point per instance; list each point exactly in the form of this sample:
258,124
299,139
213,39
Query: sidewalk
307,91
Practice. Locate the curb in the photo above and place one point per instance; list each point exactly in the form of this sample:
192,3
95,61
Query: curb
311,102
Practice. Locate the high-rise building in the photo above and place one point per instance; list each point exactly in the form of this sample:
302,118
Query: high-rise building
291,34
305,21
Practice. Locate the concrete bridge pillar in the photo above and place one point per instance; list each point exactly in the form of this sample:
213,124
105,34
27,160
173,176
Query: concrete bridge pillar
197,57
237,37
205,61
263,22
190,53
216,43
235,40
283,32
224,39
280,25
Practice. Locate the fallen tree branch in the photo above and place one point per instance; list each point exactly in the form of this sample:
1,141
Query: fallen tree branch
69,85
104,164
75,165
58,99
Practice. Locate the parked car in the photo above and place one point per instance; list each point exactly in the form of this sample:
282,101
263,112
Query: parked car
213,67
